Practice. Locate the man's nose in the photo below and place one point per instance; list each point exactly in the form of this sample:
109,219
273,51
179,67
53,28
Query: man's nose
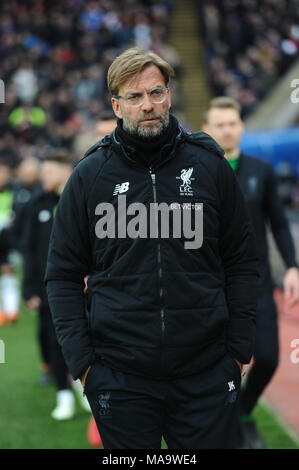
227,131
147,104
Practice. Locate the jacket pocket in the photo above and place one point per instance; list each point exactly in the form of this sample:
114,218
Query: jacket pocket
234,364
88,380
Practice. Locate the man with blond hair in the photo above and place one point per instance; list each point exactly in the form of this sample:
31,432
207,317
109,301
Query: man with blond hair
259,186
154,215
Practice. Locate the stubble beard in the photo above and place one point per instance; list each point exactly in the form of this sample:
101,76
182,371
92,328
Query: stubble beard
147,132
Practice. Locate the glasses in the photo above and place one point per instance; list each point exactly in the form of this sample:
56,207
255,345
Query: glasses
156,96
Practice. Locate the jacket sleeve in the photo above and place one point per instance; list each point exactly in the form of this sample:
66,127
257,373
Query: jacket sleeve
240,264
275,214
69,260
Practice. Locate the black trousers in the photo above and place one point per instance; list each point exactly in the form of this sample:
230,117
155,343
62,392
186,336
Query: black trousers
50,348
194,412
266,353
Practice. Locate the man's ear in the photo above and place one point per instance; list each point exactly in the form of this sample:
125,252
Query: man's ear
205,128
116,107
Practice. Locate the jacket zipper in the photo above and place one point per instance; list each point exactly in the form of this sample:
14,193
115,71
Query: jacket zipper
159,263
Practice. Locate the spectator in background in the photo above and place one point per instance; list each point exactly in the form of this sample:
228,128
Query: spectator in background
26,184
56,168
106,124
25,81
259,185
93,133
9,287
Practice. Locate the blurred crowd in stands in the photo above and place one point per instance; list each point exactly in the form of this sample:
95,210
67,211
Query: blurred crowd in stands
53,61
54,57
249,44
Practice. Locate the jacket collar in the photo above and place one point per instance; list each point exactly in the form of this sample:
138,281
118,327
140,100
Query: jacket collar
129,154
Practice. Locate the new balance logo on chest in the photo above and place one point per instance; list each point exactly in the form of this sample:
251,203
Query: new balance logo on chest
121,188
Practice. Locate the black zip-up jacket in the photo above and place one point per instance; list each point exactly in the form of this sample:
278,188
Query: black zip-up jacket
39,222
155,308
258,183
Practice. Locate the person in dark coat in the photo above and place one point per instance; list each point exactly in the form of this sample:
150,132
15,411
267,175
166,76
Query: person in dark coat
154,216
258,183
56,169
